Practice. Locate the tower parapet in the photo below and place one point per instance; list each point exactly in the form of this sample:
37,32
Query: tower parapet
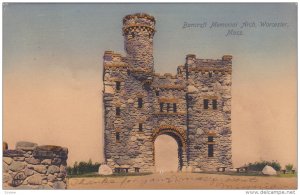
138,32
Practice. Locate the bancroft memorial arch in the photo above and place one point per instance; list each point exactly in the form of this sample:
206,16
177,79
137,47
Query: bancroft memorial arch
193,106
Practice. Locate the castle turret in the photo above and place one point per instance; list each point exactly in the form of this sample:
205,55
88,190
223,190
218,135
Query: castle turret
138,32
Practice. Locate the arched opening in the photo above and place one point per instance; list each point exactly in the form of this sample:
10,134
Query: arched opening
167,154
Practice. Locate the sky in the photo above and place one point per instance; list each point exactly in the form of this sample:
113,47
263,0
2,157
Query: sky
52,69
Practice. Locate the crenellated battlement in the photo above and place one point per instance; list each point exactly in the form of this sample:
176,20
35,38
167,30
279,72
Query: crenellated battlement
112,60
139,24
194,64
138,29
111,56
138,16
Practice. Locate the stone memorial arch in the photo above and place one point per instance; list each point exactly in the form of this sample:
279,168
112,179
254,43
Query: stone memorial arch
193,106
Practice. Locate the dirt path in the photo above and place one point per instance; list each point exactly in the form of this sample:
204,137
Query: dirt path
183,181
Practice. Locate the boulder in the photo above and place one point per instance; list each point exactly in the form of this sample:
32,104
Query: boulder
268,170
28,172
17,166
19,158
7,160
51,178
6,178
32,161
39,168
35,179
5,168
53,169
23,145
46,162
105,170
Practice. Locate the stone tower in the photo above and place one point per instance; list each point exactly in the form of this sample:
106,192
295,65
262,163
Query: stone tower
138,32
209,111
193,106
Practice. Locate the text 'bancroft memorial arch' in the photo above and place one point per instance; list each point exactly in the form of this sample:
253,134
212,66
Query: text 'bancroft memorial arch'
193,106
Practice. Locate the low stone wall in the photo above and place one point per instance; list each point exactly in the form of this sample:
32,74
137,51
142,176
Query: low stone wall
30,166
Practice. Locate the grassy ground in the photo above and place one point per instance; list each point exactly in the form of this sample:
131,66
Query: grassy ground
113,175
251,174
95,174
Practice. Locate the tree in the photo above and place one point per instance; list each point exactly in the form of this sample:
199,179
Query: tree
75,168
289,167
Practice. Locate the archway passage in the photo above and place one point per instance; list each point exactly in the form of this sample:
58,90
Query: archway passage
180,137
166,154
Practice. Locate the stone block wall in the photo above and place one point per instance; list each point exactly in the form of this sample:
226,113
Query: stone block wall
30,166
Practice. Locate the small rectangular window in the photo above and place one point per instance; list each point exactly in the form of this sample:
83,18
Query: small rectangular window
117,136
118,111
168,107
174,107
136,169
161,107
210,138
118,85
215,103
205,103
140,102
210,74
140,127
157,93
210,150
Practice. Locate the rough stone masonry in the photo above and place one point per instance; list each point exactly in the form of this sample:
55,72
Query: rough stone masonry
193,106
30,166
